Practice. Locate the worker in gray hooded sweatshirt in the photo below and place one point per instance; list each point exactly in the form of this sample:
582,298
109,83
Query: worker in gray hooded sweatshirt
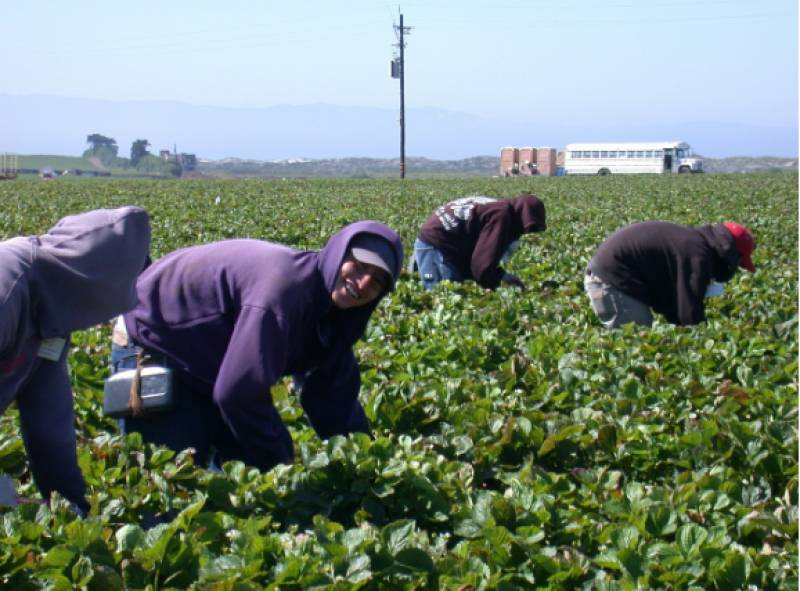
80,273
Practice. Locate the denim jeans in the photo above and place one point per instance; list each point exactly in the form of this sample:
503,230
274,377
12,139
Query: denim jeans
194,420
434,266
613,306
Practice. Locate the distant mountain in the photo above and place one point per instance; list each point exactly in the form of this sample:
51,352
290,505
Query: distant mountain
424,167
349,168
57,125
744,164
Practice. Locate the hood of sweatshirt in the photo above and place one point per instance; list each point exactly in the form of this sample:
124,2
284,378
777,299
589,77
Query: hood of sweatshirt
723,244
83,270
529,214
348,325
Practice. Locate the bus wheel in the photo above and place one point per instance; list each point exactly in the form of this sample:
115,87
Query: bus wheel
684,170
603,172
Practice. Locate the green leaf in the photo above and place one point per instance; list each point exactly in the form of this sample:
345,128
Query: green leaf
732,572
661,520
548,445
608,559
225,566
607,437
468,528
668,555
632,562
82,571
626,538
59,556
359,569
398,535
414,560
156,541
55,582
690,538
129,537
462,444
105,578
319,460
30,531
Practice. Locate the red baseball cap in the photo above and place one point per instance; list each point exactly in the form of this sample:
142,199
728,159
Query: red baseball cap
744,244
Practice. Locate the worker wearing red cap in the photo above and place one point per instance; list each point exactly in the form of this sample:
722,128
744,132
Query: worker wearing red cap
666,268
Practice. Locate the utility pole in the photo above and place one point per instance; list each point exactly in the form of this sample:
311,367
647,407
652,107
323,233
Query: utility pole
399,71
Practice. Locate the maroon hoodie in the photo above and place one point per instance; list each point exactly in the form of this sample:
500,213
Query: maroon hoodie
474,232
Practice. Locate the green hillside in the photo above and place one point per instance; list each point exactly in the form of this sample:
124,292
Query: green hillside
35,163
40,161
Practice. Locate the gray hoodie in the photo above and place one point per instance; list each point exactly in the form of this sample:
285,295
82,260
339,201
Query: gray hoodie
80,273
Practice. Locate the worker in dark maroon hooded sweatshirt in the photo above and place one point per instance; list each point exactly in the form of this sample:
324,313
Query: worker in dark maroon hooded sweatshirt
469,238
666,267
80,273
231,318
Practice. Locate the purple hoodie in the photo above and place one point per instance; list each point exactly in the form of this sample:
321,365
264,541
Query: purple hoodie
82,272
240,314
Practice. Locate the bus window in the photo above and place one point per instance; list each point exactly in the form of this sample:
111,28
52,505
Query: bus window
612,154
587,154
595,154
648,154
681,153
604,154
640,153
658,153
631,154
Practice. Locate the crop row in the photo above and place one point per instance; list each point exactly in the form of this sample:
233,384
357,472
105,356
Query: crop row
516,443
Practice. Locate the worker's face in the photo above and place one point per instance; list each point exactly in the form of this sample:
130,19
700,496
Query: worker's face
358,284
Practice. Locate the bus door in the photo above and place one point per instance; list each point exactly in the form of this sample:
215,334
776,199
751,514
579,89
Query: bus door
668,160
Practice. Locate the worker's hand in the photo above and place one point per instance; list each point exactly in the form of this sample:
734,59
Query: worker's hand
512,280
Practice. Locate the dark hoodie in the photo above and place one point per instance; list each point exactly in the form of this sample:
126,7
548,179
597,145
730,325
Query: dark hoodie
667,266
80,273
238,315
475,232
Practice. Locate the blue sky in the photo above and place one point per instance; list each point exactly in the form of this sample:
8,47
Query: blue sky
572,61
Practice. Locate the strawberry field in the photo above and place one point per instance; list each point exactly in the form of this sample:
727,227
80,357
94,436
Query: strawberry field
517,444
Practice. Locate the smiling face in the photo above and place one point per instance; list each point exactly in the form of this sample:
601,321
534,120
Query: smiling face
358,284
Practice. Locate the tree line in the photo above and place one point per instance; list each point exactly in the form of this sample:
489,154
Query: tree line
106,150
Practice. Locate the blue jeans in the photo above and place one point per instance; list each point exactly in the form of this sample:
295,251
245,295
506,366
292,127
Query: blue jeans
434,266
194,420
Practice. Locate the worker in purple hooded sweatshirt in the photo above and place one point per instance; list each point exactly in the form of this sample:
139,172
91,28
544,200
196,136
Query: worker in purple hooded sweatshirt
231,318
469,238
80,273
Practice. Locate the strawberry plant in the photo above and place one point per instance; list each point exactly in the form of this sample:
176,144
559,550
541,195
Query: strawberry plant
516,443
